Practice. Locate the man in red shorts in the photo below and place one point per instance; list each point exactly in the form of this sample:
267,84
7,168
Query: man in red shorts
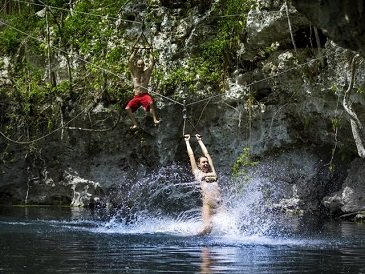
141,78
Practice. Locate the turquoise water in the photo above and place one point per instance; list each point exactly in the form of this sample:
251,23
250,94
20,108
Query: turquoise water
64,240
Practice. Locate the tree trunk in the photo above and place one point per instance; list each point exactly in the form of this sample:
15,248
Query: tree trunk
356,125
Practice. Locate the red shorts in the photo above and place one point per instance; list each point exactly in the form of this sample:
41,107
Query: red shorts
143,99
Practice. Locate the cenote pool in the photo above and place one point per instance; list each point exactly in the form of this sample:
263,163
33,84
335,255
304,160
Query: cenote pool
67,240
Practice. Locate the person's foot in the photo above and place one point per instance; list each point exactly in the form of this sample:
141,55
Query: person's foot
156,122
205,231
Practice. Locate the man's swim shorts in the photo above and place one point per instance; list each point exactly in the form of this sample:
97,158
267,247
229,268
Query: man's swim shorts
144,100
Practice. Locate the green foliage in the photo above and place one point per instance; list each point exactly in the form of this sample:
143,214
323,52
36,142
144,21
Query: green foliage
9,41
360,90
29,84
335,122
197,69
90,33
11,37
212,61
230,22
334,88
243,162
62,88
209,65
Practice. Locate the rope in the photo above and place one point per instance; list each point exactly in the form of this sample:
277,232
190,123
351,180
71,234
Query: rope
61,50
184,118
97,130
142,25
81,12
201,113
45,136
184,123
193,127
290,28
64,125
245,14
155,93
116,18
264,79
158,94
165,97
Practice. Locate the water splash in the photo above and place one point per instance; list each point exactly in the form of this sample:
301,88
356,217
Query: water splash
169,201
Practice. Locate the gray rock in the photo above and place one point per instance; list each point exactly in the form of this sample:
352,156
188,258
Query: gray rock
342,21
351,198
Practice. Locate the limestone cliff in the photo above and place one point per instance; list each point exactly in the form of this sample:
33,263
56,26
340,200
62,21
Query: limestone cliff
281,97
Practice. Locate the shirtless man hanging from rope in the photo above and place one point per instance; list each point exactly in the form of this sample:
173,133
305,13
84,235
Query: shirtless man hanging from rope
141,77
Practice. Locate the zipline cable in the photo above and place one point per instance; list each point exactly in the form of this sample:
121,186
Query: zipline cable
158,94
184,118
263,79
43,137
131,21
81,12
201,113
97,130
65,52
165,97
81,112
88,62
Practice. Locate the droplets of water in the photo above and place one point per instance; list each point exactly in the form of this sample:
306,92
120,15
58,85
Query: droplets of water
169,201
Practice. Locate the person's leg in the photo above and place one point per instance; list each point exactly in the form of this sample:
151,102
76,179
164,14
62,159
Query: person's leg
132,107
154,116
147,103
132,117
207,220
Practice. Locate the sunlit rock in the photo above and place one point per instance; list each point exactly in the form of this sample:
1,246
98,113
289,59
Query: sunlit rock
351,198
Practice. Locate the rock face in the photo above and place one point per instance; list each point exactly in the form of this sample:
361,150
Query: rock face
282,102
342,21
269,26
294,180
351,196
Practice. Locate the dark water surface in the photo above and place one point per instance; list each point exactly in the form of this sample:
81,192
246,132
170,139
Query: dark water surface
64,240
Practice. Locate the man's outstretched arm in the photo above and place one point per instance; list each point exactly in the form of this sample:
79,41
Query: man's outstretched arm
131,61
